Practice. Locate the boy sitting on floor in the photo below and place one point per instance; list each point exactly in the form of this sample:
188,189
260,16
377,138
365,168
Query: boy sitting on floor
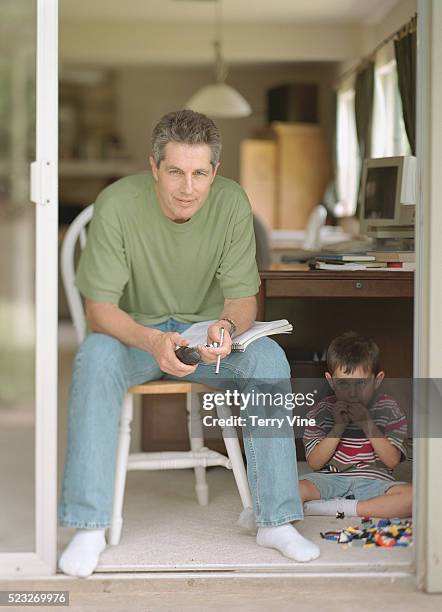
358,439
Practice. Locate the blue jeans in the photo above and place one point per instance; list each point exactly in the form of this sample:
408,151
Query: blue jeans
104,369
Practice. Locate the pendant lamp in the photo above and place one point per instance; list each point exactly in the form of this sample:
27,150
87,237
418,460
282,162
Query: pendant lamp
219,99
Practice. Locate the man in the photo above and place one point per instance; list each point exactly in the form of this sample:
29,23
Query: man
165,250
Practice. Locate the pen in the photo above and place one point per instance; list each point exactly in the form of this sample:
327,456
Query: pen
218,361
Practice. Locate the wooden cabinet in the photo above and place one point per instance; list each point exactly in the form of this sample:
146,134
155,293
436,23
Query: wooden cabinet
258,177
286,176
323,304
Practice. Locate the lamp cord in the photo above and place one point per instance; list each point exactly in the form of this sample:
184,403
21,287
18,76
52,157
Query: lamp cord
221,69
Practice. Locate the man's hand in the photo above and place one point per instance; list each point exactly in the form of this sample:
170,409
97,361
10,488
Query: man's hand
210,355
163,349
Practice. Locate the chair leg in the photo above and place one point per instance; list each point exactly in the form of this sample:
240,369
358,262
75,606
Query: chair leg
121,470
234,453
195,430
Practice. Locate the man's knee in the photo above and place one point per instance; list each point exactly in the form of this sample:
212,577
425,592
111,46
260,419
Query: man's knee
266,359
101,356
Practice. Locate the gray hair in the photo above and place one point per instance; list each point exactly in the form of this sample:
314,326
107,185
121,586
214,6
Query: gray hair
187,127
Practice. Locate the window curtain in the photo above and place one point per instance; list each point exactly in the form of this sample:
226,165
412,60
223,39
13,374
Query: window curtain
334,145
405,52
331,196
364,88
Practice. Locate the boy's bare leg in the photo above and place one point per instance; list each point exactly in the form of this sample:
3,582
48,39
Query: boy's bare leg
308,491
396,503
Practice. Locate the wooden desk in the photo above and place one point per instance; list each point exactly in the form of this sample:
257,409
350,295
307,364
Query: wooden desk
322,304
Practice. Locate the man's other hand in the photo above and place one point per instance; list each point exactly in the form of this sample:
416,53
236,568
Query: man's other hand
163,349
210,355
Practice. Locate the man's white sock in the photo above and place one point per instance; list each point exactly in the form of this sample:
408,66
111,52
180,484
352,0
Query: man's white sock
329,507
288,541
81,555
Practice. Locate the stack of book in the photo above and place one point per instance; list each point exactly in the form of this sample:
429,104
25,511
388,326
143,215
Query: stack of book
396,260
386,260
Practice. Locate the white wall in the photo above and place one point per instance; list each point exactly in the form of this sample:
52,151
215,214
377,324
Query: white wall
145,94
373,35
397,17
125,42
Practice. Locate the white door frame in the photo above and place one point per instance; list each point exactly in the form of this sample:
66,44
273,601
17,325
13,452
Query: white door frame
428,301
44,192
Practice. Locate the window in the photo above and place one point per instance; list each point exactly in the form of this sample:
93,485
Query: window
347,154
388,130
389,137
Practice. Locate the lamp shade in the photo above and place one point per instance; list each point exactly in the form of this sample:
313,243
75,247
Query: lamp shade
219,100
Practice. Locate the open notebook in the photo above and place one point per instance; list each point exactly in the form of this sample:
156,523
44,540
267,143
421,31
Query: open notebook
197,333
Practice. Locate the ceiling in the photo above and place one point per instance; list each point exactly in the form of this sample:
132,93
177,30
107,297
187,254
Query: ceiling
181,32
311,11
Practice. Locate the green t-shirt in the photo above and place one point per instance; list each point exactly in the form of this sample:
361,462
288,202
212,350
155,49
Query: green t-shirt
154,268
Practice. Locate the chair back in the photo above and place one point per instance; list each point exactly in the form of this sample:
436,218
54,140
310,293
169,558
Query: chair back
316,220
76,234
262,239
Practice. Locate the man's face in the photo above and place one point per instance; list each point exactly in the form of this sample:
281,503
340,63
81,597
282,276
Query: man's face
358,386
183,179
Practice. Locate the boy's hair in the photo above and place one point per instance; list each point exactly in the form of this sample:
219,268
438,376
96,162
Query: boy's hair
350,351
186,127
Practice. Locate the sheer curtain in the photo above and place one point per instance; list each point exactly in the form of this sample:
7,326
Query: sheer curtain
347,154
389,137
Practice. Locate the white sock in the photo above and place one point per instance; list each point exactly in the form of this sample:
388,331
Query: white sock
329,507
288,541
81,555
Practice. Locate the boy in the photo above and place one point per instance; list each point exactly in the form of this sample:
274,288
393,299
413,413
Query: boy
358,439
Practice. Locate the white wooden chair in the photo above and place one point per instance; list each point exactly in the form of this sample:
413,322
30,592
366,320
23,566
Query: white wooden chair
199,457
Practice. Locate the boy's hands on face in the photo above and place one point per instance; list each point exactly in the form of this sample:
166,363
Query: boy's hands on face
341,415
350,412
353,391
359,414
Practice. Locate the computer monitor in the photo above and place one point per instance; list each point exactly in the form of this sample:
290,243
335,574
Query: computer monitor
388,197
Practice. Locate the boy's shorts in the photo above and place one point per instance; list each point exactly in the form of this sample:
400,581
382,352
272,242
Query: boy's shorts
335,485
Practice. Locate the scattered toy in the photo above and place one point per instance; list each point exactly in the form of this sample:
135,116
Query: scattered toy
387,533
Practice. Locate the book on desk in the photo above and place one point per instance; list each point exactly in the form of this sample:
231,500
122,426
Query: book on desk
362,265
392,261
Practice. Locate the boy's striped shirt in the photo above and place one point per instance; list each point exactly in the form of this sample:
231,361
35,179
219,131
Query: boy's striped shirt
354,455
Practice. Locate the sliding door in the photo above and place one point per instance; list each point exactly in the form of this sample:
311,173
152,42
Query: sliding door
28,286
